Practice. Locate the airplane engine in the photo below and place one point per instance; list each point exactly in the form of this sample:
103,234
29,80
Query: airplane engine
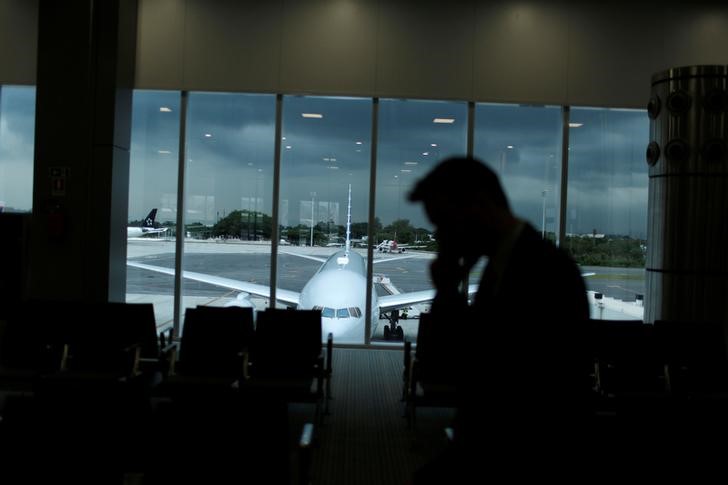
242,300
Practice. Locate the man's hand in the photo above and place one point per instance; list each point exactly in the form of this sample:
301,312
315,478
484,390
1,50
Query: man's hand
448,272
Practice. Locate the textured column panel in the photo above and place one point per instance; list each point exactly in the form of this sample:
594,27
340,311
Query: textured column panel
687,257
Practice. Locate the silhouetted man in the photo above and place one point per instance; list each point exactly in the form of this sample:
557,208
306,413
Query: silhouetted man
521,346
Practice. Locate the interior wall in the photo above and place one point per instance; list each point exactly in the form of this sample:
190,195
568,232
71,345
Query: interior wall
18,41
561,52
574,53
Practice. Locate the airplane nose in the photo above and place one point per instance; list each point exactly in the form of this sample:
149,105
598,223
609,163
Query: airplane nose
351,330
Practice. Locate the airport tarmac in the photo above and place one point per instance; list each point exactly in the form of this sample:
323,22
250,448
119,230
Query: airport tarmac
249,261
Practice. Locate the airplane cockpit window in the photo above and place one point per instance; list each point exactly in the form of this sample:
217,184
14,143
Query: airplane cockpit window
355,312
342,313
328,312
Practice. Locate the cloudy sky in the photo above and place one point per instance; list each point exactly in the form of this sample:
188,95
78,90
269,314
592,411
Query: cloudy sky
230,147
17,125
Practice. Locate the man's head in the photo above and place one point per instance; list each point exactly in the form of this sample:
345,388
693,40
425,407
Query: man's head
464,200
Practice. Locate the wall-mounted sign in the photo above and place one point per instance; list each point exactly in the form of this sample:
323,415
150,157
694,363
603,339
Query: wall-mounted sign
58,176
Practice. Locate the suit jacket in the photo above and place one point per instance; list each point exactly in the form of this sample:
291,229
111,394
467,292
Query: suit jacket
526,359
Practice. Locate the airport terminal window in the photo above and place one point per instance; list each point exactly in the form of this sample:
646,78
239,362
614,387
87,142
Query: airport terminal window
413,136
153,186
228,198
324,150
17,137
606,217
523,145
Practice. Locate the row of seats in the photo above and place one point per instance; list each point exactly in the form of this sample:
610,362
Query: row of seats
624,362
139,401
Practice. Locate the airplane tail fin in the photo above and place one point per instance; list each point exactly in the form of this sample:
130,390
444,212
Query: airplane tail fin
348,224
149,220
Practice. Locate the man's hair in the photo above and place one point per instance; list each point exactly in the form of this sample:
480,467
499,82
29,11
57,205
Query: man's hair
461,180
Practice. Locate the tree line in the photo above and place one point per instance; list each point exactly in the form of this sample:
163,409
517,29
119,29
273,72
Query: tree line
615,251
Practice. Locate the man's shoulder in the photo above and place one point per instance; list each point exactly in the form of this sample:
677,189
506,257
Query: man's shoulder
542,258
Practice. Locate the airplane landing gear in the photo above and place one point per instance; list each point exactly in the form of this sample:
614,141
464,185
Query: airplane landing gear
396,334
393,331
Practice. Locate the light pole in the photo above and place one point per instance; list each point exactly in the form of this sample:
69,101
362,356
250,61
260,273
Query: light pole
313,195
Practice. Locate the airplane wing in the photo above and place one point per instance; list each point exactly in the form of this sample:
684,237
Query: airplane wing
397,258
285,296
305,256
322,260
401,300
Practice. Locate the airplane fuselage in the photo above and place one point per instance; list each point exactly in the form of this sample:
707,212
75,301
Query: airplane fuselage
338,289
141,231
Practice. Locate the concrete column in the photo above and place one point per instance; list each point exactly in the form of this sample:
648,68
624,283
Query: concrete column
86,59
687,239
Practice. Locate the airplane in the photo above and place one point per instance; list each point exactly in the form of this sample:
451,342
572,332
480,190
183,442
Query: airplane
147,227
392,246
338,289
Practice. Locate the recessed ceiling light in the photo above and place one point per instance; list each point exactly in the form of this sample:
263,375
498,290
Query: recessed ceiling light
165,109
575,125
208,135
359,143
312,115
333,167
164,152
405,170
510,147
411,163
433,144
425,153
250,164
444,120
288,147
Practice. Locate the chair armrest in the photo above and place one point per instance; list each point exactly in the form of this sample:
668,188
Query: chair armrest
329,353
407,368
168,355
245,362
414,377
305,445
63,365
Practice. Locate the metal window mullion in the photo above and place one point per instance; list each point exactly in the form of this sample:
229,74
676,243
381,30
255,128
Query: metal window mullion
370,225
276,202
561,229
180,233
471,129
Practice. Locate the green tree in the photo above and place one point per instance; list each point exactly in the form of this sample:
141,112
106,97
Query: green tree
400,230
249,225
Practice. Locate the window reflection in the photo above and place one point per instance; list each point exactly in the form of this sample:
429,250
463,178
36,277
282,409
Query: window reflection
325,150
522,145
606,222
153,185
17,137
228,204
413,137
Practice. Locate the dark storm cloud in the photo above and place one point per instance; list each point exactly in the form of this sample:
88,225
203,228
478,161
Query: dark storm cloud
233,166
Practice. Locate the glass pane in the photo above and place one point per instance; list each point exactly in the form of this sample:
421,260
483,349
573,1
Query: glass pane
413,137
229,184
522,145
325,150
17,137
607,206
153,187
